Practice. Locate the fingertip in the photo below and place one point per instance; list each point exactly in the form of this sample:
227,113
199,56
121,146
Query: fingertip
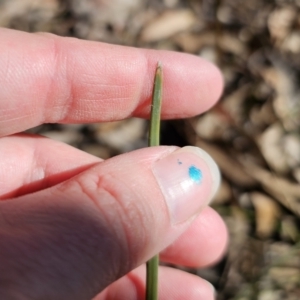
204,243
209,87
173,284
188,177
192,85
206,82
217,243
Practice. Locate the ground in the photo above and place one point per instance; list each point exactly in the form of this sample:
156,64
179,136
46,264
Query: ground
252,133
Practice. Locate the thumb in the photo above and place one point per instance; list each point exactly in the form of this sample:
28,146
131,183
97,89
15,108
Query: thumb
74,239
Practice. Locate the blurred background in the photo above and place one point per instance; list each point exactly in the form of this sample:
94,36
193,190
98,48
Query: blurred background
252,133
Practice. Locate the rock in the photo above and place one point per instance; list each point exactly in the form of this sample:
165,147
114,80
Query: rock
296,173
292,43
224,194
283,78
280,22
121,135
27,14
261,117
284,191
234,104
113,12
66,136
271,144
270,295
97,150
267,213
285,277
289,230
291,148
212,125
168,24
170,3
195,42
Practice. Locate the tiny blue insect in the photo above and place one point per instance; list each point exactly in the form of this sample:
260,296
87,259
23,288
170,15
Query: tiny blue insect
195,174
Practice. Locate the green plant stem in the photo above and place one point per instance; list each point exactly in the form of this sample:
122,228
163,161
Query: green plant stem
156,108
154,137
152,278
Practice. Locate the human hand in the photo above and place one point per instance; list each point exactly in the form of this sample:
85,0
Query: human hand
72,224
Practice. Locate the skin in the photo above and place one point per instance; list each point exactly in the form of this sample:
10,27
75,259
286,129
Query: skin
65,231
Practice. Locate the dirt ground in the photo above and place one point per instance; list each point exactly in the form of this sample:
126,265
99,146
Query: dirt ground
252,133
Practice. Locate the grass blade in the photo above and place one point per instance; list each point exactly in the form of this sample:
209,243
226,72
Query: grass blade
154,138
156,108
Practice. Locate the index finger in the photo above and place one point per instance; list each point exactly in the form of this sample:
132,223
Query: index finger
50,79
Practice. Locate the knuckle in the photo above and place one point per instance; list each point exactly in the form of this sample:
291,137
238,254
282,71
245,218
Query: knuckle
60,81
120,209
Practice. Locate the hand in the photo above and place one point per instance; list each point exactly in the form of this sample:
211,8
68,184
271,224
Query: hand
72,224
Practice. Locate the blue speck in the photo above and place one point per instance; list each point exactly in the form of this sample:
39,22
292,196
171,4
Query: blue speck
195,174
179,162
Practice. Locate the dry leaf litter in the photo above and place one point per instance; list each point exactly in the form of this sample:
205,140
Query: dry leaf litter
252,133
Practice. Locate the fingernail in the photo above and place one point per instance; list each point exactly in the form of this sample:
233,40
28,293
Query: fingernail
188,179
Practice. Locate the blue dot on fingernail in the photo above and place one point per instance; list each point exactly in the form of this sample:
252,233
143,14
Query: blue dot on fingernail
179,162
195,174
